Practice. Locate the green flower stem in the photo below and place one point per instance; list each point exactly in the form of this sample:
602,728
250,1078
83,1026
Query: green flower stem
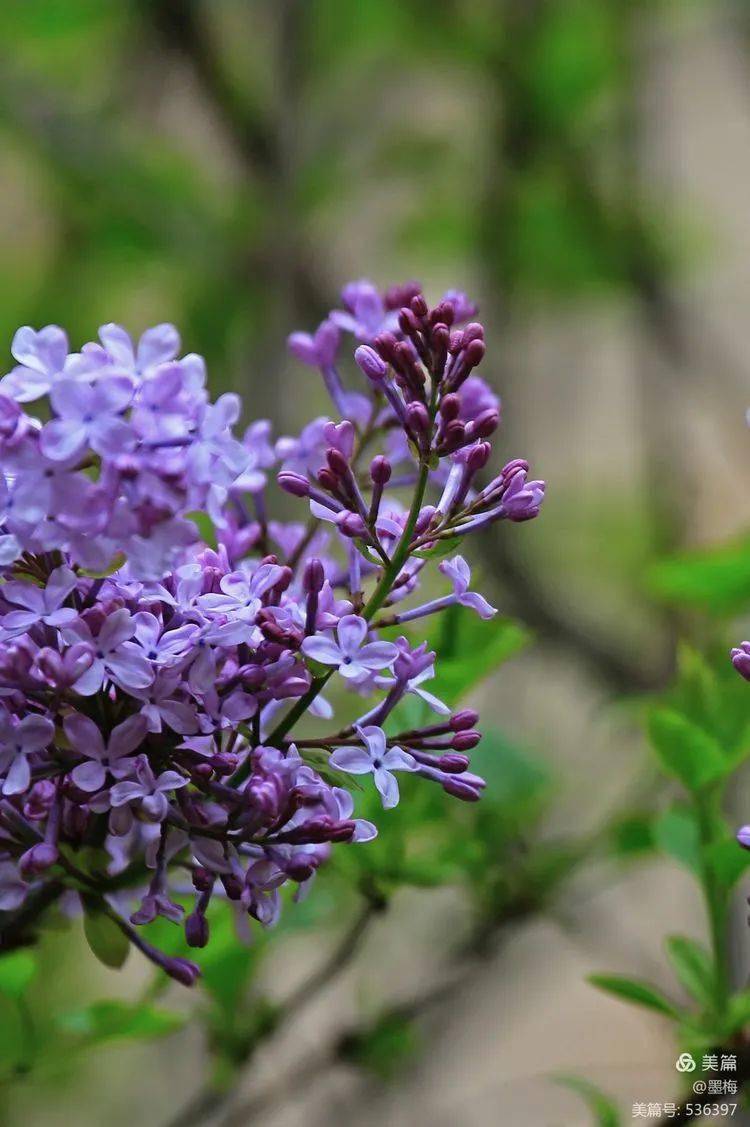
715,898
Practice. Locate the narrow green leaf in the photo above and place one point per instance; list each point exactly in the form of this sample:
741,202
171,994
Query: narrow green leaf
694,968
104,937
16,972
601,1106
633,990
684,750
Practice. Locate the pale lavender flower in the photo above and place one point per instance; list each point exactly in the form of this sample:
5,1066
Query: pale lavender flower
156,346
18,740
115,656
88,415
40,604
318,350
350,653
459,573
365,315
376,759
147,790
41,357
102,758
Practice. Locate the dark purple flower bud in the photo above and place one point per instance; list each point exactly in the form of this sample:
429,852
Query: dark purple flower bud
465,741
328,479
516,464
473,331
441,339
370,363
313,577
408,322
443,313
453,437
459,788
418,418
380,470
38,859
232,885
337,462
294,483
385,346
203,879
453,764
182,970
418,306
478,456
460,721
741,660
352,525
485,424
450,407
196,930
224,763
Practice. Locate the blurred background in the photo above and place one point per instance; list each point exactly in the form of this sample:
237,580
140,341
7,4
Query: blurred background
582,168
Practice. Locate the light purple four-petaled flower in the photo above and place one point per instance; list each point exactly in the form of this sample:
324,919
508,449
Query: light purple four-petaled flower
354,657
376,758
101,759
38,604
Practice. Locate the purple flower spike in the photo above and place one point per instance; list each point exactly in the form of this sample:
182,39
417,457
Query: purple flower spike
155,673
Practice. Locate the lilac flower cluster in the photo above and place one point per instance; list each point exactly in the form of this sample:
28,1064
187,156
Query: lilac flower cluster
152,683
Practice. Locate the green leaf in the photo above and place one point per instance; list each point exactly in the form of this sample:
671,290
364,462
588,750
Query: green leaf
601,1106
676,833
477,650
739,1011
684,750
728,861
694,968
16,972
205,527
110,1020
633,990
715,579
385,1048
104,937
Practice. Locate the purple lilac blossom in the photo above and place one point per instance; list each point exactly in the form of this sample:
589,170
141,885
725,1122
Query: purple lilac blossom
154,687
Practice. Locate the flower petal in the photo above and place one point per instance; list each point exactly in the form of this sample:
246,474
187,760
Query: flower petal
352,631
355,760
322,649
